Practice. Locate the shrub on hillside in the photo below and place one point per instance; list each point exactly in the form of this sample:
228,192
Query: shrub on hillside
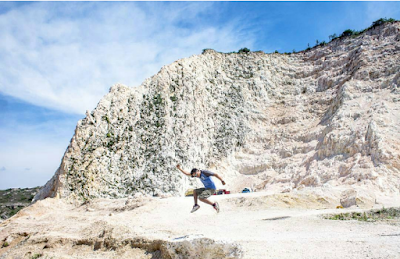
204,51
333,36
244,50
382,21
347,32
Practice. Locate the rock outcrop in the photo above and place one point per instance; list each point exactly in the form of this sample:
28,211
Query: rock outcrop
323,117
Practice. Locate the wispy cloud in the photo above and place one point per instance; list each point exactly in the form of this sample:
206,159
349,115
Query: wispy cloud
377,10
65,56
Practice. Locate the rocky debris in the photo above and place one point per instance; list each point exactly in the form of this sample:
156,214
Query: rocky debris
251,225
309,198
200,247
360,198
180,248
81,231
323,117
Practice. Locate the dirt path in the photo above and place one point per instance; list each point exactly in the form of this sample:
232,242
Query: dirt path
260,230
275,232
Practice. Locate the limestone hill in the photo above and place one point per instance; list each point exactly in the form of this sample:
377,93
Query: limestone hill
326,117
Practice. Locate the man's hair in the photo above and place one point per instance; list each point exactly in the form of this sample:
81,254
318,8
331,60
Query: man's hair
194,170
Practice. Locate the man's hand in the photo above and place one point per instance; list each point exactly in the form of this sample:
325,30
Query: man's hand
220,178
183,171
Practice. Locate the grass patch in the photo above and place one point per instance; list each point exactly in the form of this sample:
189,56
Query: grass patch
368,216
35,256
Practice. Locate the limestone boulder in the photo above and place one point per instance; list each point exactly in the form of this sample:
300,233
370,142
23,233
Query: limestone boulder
360,198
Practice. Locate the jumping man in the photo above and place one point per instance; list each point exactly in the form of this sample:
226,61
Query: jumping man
209,186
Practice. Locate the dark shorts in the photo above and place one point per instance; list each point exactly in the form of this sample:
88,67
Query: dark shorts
204,193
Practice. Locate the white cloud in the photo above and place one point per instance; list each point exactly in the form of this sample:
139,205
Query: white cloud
65,56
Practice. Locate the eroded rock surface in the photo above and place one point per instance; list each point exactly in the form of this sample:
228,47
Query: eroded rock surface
249,225
324,117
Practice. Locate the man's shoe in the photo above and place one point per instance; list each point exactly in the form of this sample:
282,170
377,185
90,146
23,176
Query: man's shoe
216,206
195,207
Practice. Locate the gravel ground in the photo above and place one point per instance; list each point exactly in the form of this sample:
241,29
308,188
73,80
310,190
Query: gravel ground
54,228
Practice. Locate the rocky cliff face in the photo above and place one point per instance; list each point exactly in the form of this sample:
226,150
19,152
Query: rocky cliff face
324,117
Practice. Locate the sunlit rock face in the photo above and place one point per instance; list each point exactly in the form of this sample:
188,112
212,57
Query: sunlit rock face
324,117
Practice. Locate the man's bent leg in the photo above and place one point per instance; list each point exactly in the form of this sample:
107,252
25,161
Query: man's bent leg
206,201
195,196
196,206
206,193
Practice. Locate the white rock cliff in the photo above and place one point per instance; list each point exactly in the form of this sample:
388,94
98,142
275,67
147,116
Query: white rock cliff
328,116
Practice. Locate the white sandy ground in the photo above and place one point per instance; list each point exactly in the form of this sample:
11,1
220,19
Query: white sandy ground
263,225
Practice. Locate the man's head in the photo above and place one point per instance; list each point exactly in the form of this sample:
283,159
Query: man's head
195,172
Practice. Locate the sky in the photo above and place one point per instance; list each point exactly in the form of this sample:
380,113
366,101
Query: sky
58,59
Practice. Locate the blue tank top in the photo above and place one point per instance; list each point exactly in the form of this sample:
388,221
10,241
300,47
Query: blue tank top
206,179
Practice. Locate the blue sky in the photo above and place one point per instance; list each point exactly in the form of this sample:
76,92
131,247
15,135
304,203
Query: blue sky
59,58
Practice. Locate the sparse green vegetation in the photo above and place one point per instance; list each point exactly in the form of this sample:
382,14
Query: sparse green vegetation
353,33
5,244
35,256
13,200
346,33
106,119
332,37
244,50
382,21
350,32
204,51
369,216
158,100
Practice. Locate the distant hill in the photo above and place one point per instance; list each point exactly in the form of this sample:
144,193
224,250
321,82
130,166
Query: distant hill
15,199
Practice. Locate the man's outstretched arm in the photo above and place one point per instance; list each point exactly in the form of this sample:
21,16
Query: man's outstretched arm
183,171
219,177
